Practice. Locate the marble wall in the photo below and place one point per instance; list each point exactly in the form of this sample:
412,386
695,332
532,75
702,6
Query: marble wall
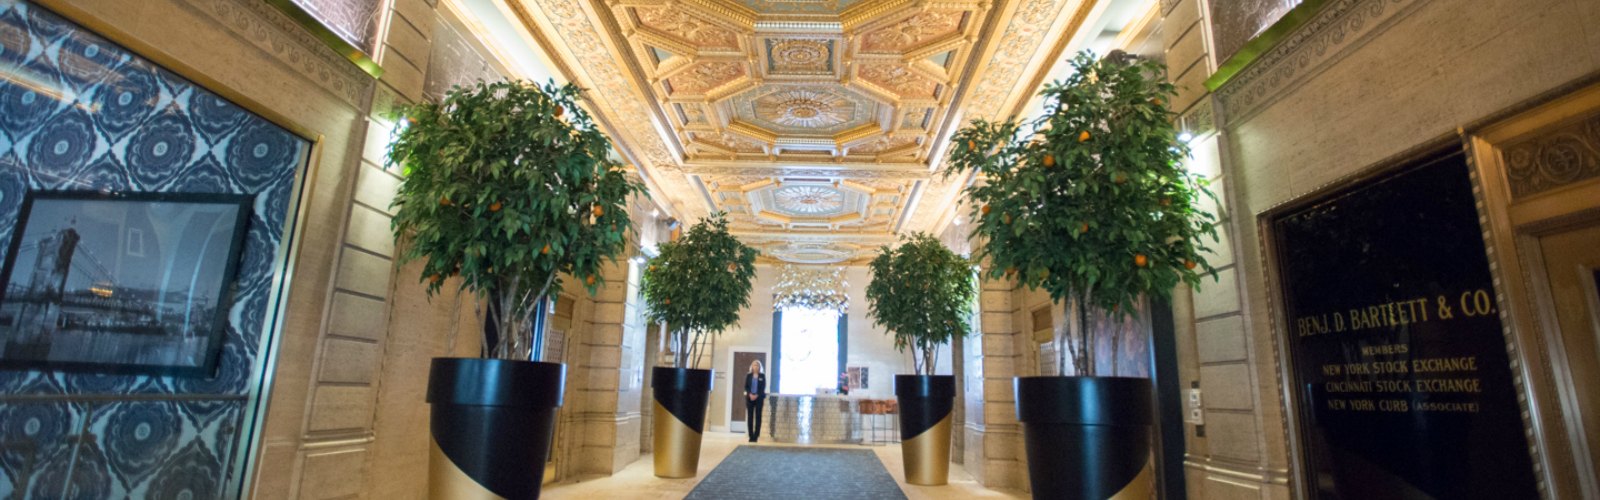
1361,82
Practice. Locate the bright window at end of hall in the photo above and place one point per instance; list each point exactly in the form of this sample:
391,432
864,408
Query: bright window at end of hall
810,345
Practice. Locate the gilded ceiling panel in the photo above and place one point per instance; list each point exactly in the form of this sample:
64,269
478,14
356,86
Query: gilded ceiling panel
704,76
899,79
809,121
687,27
913,32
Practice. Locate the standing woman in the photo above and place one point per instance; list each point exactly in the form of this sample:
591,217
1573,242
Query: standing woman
755,393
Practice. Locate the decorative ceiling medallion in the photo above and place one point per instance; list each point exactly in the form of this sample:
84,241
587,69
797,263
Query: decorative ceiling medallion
687,27
705,76
810,201
811,110
799,56
912,32
896,78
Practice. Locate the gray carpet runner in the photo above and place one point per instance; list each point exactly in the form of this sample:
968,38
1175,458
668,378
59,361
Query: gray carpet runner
770,472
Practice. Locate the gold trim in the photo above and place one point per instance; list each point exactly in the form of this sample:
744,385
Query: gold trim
927,455
328,37
677,447
1265,42
1142,487
446,481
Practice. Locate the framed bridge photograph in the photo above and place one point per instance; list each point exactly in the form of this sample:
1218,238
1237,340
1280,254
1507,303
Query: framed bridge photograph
120,282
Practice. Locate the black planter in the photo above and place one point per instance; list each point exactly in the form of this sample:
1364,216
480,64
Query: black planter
681,396
925,405
491,427
1087,437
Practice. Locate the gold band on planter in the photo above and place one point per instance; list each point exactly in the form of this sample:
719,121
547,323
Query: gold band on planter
677,447
1142,487
446,481
927,455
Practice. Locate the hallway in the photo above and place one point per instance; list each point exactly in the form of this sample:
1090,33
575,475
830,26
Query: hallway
637,481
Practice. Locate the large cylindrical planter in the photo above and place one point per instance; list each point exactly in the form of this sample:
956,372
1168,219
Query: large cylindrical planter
681,396
1087,437
926,402
491,426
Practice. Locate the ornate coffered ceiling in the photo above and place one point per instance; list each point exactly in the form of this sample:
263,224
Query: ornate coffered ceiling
818,125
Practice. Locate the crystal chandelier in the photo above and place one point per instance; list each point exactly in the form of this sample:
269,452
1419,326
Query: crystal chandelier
811,288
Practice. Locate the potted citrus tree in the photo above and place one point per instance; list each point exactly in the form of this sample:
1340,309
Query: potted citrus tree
507,188
922,293
1095,207
696,286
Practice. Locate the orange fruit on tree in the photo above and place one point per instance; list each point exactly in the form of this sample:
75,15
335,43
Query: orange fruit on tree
559,111
652,267
494,207
985,210
1119,179
589,280
435,278
1189,264
444,200
1083,228
1140,260
1049,160
598,210
1006,219
666,302
972,145
1083,136
545,250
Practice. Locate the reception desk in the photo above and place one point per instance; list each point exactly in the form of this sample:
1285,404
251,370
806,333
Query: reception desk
808,419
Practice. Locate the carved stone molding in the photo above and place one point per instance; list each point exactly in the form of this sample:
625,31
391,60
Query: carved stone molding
1560,157
1340,26
274,33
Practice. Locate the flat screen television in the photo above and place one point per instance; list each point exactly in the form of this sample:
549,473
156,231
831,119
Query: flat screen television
121,282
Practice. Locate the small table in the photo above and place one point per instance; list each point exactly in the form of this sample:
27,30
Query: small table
813,419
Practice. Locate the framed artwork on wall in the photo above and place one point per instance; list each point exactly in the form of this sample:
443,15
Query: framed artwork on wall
120,282
858,377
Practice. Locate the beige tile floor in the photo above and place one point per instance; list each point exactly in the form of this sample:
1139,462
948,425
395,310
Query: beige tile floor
638,482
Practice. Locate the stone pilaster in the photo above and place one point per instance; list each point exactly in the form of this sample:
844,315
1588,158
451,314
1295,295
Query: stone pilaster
992,449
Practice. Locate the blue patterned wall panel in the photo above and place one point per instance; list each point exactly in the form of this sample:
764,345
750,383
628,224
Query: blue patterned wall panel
78,112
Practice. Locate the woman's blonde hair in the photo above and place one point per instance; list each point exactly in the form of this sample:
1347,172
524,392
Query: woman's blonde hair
760,368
